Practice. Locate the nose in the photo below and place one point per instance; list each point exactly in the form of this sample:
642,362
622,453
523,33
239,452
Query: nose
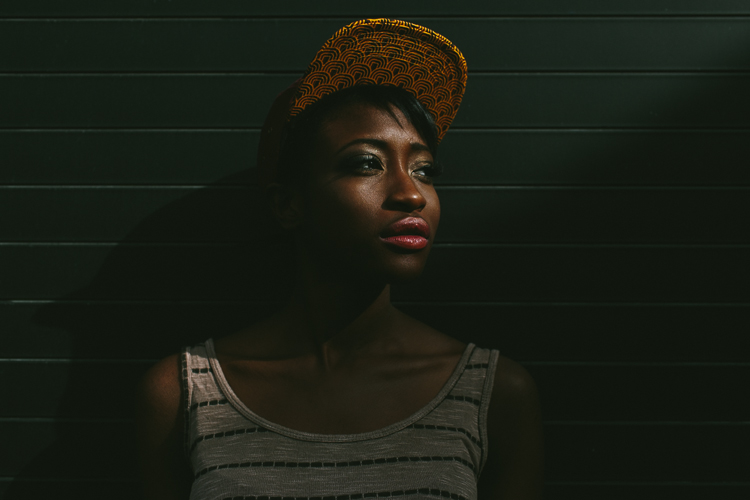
404,192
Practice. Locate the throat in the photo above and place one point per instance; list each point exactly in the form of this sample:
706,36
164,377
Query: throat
338,318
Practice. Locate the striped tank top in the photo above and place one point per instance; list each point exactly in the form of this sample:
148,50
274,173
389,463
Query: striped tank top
438,452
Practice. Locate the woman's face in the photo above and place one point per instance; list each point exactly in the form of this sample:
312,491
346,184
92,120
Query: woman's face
370,210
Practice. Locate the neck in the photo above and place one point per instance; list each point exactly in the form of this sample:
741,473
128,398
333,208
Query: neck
334,319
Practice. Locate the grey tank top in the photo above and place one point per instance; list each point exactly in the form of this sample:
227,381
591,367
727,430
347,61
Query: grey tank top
438,452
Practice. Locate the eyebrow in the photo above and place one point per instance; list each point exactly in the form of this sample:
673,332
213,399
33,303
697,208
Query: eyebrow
415,146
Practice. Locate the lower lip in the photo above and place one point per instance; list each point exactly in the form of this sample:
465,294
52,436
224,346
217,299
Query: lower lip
409,242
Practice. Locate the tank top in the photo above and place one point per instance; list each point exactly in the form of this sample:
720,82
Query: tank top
438,452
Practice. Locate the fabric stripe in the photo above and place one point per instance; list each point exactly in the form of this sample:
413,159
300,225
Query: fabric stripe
320,465
213,402
234,432
431,427
463,398
476,366
433,492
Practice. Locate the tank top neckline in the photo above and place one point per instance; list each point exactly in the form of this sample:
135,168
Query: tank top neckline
238,405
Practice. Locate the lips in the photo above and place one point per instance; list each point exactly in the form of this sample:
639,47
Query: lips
410,233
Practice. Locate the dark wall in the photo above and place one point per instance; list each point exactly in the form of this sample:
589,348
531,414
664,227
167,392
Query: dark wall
595,221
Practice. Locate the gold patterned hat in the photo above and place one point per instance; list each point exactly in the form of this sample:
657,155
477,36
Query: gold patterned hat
372,52
389,52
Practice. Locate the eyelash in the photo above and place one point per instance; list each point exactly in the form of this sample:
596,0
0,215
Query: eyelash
431,170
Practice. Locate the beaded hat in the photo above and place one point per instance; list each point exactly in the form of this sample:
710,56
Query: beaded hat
373,52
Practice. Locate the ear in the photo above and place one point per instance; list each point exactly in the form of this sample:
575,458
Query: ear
286,204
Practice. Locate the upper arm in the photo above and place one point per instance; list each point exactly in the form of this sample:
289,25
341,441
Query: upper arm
159,431
513,470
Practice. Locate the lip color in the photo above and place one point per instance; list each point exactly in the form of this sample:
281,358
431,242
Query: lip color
407,241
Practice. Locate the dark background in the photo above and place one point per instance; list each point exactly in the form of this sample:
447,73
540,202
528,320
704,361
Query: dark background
595,221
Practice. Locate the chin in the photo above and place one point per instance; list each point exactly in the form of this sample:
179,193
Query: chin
405,269
381,265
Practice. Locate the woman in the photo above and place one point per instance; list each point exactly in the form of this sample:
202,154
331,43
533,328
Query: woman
341,395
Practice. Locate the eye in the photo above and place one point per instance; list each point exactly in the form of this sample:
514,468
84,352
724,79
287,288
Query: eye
363,164
428,171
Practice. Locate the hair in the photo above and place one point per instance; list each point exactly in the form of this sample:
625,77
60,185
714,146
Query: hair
301,133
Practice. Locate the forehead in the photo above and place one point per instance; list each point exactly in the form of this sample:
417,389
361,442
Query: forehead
366,121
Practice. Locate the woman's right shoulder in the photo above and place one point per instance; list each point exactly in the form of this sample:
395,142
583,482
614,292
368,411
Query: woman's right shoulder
159,431
158,395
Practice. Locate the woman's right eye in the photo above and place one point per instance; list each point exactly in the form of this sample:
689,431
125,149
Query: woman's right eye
363,164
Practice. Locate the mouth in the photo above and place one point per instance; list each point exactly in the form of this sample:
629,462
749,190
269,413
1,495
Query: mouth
410,233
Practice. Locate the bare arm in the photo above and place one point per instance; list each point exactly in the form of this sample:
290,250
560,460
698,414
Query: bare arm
159,427
515,450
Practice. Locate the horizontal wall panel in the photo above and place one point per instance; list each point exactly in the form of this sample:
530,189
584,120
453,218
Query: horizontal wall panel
137,101
492,100
596,215
564,157
642,392
687,490
120,8
488,215
83,390
544,332
597,333
181,214
647,453
204,215
459,273
574,453
131,157
23,488
585,157
573,274
101,451
134,330
596,392
489,44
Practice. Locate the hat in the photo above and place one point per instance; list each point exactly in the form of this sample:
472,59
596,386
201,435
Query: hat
373,52
389,52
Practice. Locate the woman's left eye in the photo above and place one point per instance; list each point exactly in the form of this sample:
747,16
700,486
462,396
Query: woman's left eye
428,171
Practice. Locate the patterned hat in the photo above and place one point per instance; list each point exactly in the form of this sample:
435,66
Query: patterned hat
373,52
389,52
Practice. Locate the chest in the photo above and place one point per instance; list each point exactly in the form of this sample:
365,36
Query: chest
437,450
345,401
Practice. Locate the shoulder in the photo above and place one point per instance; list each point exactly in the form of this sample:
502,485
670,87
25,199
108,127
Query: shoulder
159,388
513,388
514,434
514,402
158,416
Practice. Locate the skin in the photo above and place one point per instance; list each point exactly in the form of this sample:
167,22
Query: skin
340,359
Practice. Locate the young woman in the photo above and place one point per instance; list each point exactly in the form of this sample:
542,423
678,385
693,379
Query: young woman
340,395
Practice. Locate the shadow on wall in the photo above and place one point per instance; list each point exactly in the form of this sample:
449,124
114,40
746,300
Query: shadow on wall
178,278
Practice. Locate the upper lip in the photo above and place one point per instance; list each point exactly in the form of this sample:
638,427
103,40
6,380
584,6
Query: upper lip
408,225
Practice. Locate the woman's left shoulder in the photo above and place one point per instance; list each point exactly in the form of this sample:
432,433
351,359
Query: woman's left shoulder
514,433
513,385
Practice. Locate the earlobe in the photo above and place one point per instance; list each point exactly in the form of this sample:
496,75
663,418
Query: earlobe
285,205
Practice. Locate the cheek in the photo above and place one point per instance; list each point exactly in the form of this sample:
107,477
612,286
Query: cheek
344,215
433,206
431,211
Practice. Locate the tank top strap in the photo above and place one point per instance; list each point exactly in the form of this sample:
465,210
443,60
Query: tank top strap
464,409
199,388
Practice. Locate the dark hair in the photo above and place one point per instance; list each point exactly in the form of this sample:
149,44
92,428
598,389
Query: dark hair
301,133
